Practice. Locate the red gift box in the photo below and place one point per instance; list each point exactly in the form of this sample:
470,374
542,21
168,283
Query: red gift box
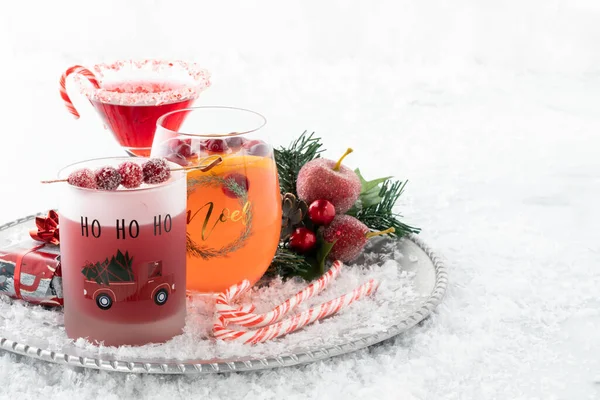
32,273
30,270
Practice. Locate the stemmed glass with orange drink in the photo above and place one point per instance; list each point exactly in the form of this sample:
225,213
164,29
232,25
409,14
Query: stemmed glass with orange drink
234,210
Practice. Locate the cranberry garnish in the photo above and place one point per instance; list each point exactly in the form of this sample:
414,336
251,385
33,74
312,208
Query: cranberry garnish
108,178
131,174
155,171
235,143
240,179
83,178
178,159
184,150
260,150
216,146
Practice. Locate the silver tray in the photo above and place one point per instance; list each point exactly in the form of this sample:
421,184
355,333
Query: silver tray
429,276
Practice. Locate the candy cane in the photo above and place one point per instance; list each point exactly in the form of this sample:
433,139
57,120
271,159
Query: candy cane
76,69
233,315
294,323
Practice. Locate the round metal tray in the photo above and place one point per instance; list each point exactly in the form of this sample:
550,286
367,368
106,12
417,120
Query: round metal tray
429,277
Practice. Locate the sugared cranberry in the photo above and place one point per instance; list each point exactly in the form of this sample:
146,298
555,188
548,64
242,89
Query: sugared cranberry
131,174
216,146
174,143
156,170
242,182
178,159
250,143
184,149
260,150
235,143
108,178
83,178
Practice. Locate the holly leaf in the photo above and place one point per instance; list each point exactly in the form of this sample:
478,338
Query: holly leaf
369,193
370,198
317,259
368,186
322,253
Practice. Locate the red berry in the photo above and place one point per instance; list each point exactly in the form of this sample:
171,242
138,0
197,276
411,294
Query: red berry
251,143
184,150
216,146
156,170
260,150
235,143
303,240
240,179
131,174
178,159
108,178
321,212
83,178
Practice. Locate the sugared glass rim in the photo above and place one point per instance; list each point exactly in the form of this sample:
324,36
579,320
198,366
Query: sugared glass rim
200,81
180,174
160,120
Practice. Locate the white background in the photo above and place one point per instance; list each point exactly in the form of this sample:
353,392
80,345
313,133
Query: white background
490,108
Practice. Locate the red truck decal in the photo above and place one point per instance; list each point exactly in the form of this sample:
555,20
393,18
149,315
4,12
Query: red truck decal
148,283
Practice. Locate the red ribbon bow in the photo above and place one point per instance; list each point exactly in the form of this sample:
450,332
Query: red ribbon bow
47,228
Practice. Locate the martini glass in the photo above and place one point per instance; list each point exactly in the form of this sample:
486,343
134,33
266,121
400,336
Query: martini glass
131,95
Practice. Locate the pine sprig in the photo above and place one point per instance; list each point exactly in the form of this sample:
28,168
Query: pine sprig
290,160
374,208
381,216
288,264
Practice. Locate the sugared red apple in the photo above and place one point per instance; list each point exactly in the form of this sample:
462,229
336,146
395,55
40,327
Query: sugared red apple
329,180
350,236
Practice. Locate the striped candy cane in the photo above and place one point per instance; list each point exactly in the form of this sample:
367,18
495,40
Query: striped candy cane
233,315
294,323
76,69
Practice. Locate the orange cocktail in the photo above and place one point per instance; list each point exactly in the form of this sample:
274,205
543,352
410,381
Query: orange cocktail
233,222
234,209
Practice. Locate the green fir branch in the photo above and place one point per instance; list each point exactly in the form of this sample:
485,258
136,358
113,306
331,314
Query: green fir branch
381,216
290,160
374,208
288,264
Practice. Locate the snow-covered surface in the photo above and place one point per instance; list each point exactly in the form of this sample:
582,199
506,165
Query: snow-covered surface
403,289
491,109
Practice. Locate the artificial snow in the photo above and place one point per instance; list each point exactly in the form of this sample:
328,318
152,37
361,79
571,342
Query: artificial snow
491,109
397,297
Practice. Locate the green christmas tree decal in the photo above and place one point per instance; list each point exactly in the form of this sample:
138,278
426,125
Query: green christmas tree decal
118,269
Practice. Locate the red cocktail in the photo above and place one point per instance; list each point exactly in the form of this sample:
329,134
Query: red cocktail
123,256
129,96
